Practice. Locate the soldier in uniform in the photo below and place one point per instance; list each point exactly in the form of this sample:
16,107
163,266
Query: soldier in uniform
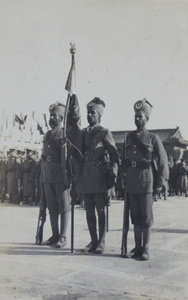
170,165
2,176
96,141
20,176
6,158
53,178
13,173
182,182
174,174
143,154
29,176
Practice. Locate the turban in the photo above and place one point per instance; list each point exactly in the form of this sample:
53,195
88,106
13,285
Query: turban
58,108
143,106
98,107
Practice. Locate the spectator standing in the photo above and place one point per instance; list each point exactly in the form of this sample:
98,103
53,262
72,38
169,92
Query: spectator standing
181,181
20,176
29,176
2,176
13,173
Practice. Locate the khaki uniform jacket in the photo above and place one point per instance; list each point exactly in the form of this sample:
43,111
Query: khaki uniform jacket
95,144
141,180
13,174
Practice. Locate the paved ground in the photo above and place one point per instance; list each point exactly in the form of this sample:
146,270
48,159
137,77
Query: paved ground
31,272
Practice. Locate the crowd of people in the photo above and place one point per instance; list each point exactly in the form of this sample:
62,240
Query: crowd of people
178,177
20,176
20,179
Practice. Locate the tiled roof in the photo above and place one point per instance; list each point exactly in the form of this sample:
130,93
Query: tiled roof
166,135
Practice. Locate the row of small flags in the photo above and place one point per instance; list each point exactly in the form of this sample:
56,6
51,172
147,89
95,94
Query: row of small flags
12,123
42,126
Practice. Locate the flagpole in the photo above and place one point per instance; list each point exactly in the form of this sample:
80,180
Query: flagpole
70,90
68,87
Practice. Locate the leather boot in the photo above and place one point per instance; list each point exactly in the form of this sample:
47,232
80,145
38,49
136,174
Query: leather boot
64,224
55,231
146,239
102,233
93,232
137,251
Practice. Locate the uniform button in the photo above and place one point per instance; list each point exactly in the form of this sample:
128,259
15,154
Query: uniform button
134,152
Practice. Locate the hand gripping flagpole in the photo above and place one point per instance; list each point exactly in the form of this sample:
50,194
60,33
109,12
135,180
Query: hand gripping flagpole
71,88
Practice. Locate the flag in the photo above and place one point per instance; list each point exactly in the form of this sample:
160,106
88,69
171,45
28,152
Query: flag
19,121
72,122
46,122
23,119
71,80
39,128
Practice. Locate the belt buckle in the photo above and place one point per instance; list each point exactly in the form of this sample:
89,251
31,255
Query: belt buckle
133,164
48,158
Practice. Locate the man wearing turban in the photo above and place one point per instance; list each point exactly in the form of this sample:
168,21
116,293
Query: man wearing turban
28,178
13,176
146,170
54,181
97,141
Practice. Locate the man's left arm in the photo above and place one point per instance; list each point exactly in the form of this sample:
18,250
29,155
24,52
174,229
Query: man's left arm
162,163
113,153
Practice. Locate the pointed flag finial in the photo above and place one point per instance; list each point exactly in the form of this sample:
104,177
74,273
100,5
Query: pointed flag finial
72,48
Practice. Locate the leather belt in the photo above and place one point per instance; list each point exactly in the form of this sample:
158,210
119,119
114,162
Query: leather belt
139,164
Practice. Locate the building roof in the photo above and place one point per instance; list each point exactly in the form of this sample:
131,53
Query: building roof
167,136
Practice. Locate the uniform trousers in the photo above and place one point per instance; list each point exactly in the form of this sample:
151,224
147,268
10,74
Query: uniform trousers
141,209
57,197
91,202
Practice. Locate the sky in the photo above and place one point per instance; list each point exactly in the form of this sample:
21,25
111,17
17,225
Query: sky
127,50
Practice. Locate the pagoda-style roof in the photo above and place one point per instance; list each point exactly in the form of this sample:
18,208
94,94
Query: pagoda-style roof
167,136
